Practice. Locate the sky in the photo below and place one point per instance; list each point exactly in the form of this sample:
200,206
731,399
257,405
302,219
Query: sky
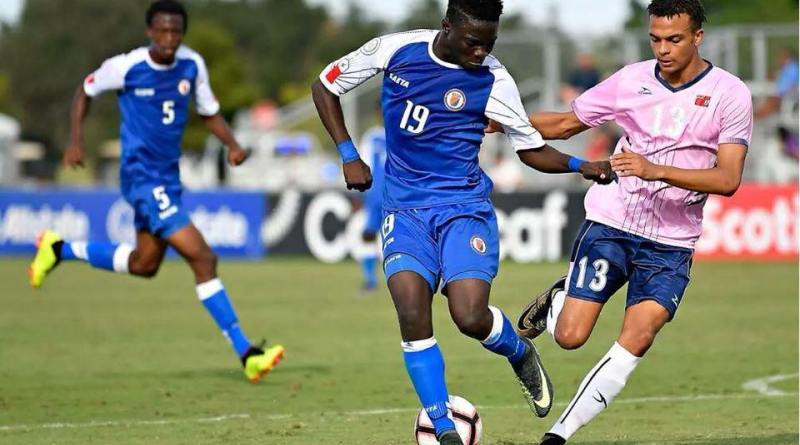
574,16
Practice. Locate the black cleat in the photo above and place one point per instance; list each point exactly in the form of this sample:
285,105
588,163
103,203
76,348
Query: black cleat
552,439
450,438
533,319
536,385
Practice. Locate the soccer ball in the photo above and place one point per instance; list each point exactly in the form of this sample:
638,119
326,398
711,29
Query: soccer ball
468,423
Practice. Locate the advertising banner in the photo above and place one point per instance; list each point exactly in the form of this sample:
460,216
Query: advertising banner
759,222
230,221
534,227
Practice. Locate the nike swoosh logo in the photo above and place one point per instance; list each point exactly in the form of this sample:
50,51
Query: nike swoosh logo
601,400
544,401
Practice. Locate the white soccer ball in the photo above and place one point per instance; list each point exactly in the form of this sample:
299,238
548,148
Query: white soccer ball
465,415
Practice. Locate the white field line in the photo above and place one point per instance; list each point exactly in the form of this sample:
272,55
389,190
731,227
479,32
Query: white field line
622,401
762,387
362,413
130,423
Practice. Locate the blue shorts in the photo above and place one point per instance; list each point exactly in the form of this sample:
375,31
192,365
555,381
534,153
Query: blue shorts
604,258
158,208
443,243
374,217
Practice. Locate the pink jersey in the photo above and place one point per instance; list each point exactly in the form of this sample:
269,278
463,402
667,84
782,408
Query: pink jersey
681,127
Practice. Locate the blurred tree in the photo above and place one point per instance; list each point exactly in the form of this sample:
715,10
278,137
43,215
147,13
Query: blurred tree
227,68
51,49
726,12
276,36
5,96
425,14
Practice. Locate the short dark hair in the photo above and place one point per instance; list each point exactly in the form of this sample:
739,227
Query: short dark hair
670,8
166,7
481,10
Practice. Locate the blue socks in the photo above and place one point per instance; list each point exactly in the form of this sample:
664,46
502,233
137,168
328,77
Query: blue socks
503,339
107,256
425,366
213,296
368,264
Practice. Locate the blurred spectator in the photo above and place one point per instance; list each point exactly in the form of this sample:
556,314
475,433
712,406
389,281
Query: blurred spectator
602,142
580,79
506,173
778,159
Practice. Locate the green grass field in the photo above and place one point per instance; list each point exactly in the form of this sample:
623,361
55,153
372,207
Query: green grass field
99,358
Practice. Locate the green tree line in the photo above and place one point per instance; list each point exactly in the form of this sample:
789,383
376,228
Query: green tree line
254,49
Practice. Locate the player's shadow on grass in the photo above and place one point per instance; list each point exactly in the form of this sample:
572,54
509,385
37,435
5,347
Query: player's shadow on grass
775,439
284,369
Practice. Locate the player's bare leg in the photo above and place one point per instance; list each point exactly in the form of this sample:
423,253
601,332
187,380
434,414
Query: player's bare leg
51,250
642,323
575,322
146,258
189,242
192,246
468,301
412,296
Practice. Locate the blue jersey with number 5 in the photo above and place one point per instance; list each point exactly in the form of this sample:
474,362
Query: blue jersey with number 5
435,113
154,104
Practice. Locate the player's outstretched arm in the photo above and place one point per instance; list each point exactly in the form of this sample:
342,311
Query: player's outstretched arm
218,127
549,125
722,179
549,160
557,125
75,153
357,174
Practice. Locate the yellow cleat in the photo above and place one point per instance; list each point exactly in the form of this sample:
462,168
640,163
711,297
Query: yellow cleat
46,258
259,363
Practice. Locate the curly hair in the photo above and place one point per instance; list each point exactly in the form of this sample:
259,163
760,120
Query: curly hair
670,8
481,10
166,7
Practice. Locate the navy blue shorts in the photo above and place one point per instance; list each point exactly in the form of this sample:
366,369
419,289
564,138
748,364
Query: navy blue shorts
158,208
604,258
443,243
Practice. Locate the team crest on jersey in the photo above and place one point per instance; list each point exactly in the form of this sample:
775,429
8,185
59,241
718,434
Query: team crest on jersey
478,244
455,99
184,86
702,101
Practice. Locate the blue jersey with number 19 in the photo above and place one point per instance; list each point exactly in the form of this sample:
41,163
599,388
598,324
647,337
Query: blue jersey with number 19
435,113
154,104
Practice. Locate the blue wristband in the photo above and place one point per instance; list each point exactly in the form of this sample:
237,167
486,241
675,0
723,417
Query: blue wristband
574,164
347,150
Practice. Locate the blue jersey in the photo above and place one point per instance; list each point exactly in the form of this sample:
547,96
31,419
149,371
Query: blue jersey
435,114
154,104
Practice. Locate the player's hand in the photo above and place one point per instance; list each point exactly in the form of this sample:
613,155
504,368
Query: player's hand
599,172
74,155
629,163
493,127
237,155
357,175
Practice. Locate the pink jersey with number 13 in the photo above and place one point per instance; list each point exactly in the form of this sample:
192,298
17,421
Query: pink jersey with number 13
681,127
